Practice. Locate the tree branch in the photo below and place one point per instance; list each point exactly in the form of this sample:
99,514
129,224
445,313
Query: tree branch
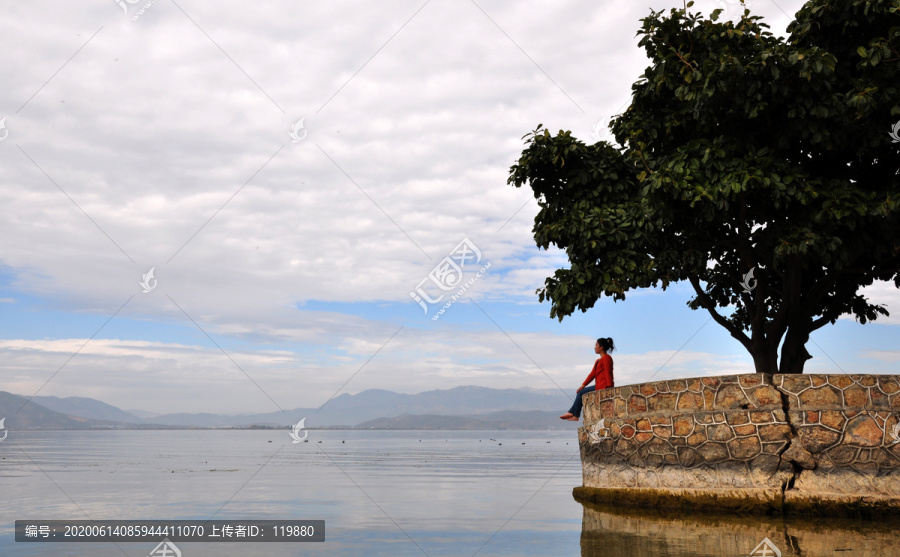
710,307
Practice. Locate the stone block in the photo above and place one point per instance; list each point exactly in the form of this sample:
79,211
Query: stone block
648,389
607,409
886,460
660,446
710,381
812,416
637,404
621,408
628,431
689,457
774,432
856,396
840,381
818,380
748,429
730,397
826,396
709,399
720,432
800,456
773,447
760,417
643,436
689,402
868,380
695,385
867,469
766,396
864,432
816,438
744,448
713,452
683,426
643,424
880,401
662,431
750,380
737,418
662,402
625,447
793,383
833,419
677,385
888,385
697,438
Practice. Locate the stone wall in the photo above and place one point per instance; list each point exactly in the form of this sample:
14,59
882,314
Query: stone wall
818,443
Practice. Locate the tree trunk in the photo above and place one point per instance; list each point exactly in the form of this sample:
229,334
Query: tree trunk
793,351
765,356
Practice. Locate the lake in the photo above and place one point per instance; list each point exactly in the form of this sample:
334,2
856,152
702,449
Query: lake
392,493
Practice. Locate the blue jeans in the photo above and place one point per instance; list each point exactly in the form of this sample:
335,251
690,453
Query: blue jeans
575,410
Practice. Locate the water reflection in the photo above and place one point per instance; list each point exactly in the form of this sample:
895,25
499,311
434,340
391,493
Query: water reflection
608,530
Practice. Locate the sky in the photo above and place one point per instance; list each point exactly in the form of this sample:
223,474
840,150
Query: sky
296,176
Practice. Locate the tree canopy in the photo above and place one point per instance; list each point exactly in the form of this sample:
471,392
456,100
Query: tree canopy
760,169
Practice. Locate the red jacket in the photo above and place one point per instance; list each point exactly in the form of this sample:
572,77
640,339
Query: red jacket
602,372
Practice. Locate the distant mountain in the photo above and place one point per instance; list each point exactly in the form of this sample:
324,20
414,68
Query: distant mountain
35,416
507,419
143,414
457,408
86,408
347,410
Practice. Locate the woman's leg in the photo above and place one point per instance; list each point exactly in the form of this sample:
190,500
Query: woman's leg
575,410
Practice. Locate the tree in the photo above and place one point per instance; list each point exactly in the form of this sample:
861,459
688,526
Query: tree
743,160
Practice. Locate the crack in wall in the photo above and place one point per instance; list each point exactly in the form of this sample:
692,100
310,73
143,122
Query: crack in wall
795,435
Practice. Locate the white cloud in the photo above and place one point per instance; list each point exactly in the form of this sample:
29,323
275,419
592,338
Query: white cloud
151,148
882,355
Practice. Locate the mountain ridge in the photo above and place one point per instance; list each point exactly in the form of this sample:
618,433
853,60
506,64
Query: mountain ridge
468,405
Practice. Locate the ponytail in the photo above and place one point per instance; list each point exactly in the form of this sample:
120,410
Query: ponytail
607,344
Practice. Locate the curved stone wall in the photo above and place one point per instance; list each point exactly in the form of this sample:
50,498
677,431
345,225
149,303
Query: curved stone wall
817,443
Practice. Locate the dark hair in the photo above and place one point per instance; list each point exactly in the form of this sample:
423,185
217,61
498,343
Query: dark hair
607,344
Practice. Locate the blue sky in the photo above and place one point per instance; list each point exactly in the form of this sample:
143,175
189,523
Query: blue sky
283,265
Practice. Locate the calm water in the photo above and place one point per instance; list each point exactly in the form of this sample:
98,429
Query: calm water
394,493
